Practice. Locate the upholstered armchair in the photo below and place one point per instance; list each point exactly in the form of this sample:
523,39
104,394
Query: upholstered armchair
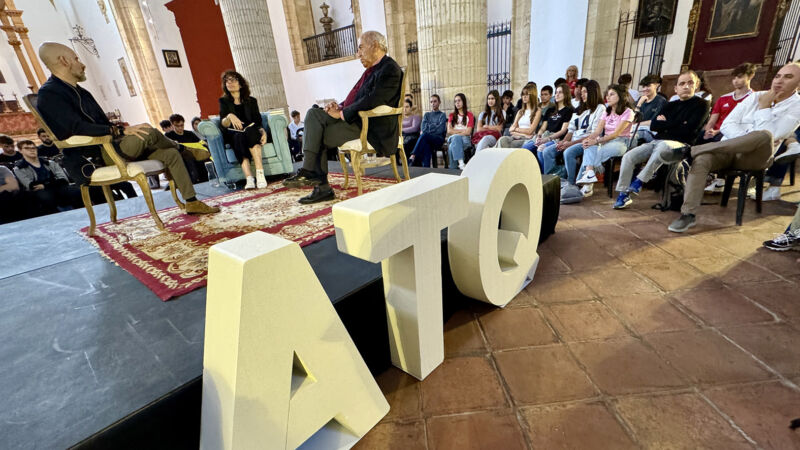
275,155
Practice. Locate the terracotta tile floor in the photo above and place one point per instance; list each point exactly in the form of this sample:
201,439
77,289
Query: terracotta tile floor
629,337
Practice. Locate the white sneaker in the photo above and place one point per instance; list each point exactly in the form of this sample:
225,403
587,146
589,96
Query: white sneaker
261,182
588,178
587,190
716,186
251,183
461,164
792,151
751,192
771,194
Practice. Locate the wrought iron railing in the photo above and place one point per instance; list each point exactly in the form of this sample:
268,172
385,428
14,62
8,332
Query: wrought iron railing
412,55
638,56
788,40
498,37
331,45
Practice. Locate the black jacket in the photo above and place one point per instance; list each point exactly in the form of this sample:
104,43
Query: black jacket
251,111
685,118
382,87
71,111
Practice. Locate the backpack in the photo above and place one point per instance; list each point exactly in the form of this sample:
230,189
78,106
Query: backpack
674,185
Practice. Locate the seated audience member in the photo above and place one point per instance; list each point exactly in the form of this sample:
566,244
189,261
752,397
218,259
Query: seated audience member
296,136
490,122
649,105
15,204
48,149
750,135
742,75
582,124
509,111
677,126
625,80
339,123
554,125
576,98
192,151
166,126
70,110
790,239
526,121
704,91
787,152
46,180
242,126
460,124
9,154
432,133
546,102
411,123
571,78
195,122
609,139
527,85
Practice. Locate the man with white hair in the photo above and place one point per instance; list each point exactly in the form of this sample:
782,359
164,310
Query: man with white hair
751,134
69,110
339,123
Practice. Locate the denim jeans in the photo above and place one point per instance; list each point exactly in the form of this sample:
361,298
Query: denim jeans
656,153
571,156
596,155
487,141
455,149
426,146
547,156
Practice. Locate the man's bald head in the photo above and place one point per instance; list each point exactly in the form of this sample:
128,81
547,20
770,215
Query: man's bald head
62,62
786,81
371,48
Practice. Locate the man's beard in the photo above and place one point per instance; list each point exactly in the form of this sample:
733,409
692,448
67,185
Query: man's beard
81,76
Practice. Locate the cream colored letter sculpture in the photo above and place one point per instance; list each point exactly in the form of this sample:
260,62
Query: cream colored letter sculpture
401,226
278,365
487,263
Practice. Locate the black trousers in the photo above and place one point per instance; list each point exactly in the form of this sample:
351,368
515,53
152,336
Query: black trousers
321,133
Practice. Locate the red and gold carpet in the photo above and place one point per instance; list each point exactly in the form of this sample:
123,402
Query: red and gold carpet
175,261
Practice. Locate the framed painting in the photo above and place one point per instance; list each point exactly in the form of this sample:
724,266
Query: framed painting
734,19
655,17
172,58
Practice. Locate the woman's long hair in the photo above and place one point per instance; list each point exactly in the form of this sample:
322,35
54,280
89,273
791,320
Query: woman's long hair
244,87
622,104
454,120
532,92
594,96
497,110
565,92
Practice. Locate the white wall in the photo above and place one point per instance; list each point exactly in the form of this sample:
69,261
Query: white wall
676,42
498,10
303,88
556,44
339,12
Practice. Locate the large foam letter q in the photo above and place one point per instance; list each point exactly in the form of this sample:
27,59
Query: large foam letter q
279,368
401,226
488,262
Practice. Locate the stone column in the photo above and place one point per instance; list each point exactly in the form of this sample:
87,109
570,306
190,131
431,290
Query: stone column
602,23
452,50
401,30
253,48
520,44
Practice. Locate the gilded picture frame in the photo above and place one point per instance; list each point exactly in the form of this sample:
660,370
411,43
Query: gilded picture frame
734,19
655,17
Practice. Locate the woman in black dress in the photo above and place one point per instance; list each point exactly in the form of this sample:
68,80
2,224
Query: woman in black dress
241,124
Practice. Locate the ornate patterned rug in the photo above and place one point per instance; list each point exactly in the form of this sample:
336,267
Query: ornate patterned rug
175,261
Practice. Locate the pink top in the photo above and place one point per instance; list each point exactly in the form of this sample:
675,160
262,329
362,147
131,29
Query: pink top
613,120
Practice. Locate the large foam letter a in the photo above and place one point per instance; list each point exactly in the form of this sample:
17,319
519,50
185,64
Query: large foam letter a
279,367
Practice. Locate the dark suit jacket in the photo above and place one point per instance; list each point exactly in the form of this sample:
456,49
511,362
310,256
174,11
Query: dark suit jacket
382,87
251,115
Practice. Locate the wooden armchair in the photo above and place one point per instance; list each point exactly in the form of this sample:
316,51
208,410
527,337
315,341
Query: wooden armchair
106,176
358,150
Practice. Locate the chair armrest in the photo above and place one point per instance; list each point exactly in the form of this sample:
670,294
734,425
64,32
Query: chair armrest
216,144
378,111
103,141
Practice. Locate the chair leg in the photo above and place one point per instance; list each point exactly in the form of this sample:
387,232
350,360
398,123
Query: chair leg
759,190
744,180
344,170
112,207
726,190
87,203
141,179
404,162
608,180
394,168
355,161
174,192
792,169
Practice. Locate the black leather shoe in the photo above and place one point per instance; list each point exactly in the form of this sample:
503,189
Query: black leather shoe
319,194
302,178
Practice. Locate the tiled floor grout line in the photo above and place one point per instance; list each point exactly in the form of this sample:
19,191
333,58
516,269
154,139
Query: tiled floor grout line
728,419
766,366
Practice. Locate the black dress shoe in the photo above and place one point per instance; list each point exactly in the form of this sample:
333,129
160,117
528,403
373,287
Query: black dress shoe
302,178
319,194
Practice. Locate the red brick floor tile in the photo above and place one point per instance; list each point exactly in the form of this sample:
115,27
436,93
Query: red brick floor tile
638,251
462,335
515,328
678,421
587,257
781,297
671,276
559,288
549,262
584,321
586,426
778,345
481,430
609,236
732,270
402,392
706,357
649,313
615,281
394,436
649,230
684,247
721,306
543,375
738,244
626,367
782,263
462,384
763,411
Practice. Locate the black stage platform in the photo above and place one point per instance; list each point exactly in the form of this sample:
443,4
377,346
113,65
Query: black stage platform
91,358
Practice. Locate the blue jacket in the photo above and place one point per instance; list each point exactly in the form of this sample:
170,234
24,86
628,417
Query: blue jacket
434,123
